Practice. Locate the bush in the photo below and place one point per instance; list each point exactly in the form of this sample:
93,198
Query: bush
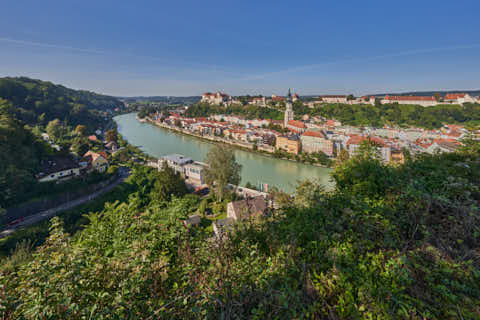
403,245
112,170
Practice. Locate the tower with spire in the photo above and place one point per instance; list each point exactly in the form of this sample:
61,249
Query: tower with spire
288,110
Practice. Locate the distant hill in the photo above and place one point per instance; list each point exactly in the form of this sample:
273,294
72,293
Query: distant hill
37,102
162,99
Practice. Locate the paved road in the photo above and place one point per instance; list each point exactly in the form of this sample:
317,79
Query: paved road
35,218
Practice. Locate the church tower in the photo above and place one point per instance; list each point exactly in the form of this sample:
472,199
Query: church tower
288,110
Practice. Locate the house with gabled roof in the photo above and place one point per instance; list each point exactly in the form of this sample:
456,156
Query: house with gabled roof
315,141
95,161
244,209
58,168
296,125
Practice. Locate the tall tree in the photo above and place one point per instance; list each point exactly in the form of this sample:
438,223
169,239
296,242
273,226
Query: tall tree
111,135
80,130
168,183
222,170
342,156
54,129
80,146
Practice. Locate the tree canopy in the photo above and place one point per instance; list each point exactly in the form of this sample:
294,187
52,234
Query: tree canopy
400,115
248,111
388,242
20,154
36,101
222,169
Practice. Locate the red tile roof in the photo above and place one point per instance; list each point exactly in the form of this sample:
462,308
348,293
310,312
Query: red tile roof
241,131
410,98
316,134
446,141
332,96
454,96
454,126
296,123
330,123
91,156
454,133
356,139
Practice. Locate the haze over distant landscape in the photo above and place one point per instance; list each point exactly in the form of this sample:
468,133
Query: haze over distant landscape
248,47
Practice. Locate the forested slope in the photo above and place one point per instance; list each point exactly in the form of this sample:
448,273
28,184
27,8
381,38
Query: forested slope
388,243
38,102
20,154
30,107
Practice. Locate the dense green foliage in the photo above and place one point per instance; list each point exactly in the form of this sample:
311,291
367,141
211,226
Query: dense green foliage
145,111
402,115
20,154
73,219
388,243
29,108
248,111
38,102
222,170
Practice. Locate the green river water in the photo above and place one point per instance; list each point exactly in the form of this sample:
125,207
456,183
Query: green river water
257,169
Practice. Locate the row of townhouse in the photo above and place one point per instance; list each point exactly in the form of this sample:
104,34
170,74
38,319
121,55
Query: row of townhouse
237,128
322,135
426,101
343,99
220,98
329,137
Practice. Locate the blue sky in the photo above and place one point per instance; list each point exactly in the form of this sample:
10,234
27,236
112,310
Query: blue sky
187,47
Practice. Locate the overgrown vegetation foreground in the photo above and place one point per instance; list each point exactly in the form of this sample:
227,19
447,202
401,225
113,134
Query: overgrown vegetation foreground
389,243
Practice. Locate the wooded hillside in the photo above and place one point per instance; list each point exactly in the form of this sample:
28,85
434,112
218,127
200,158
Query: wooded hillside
38,102
388,243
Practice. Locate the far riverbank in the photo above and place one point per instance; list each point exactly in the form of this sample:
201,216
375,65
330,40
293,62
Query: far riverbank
237,144
258,169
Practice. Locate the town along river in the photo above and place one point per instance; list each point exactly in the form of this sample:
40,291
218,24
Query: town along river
256,168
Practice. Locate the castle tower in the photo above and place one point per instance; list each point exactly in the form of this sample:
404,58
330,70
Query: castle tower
288,110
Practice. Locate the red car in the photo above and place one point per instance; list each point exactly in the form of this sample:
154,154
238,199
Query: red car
14,222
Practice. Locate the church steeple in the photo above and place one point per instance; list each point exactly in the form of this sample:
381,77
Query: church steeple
288,110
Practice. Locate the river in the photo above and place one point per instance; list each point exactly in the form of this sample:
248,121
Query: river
256,168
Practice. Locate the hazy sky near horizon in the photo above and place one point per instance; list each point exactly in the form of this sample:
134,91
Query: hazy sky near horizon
130,48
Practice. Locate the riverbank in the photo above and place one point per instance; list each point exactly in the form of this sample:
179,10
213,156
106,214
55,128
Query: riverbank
237,144
261,170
